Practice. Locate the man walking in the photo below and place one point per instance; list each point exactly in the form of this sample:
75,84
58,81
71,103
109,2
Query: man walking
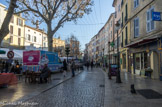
92,65
73,68
87,65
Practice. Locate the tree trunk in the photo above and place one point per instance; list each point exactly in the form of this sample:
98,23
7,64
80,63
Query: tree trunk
50,37
5,25
50,41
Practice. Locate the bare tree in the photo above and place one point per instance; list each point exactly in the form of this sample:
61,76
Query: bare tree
72,37
4,30
54,13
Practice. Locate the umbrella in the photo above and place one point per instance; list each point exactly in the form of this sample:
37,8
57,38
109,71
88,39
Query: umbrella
2,52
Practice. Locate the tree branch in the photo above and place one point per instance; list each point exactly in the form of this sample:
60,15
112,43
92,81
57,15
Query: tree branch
26,10
31,9
61,21
55,8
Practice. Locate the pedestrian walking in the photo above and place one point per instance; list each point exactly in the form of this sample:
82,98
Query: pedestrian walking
73,68
92,65
87,65
64,67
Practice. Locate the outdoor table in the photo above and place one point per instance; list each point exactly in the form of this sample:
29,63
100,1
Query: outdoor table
33,76
7,79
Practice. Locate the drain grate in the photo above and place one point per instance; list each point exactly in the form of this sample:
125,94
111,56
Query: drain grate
102,86
149,94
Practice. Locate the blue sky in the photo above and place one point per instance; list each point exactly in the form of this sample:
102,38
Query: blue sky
86,27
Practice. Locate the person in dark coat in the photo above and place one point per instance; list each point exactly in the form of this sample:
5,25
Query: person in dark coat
6,67
44,73
87,65
73,68
92,65
64,67
17,68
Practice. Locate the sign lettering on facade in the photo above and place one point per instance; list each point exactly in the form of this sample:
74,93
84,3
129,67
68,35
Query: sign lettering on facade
156,16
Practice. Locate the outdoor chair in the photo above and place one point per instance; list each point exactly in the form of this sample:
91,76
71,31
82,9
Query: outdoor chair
28,76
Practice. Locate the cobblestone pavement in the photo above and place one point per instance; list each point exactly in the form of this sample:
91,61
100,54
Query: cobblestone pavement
23,91
119,95
84,90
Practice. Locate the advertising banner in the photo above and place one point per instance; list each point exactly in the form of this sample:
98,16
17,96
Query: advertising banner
31,57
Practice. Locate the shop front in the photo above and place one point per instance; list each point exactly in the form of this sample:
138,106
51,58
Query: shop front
141,61
124,60
144,58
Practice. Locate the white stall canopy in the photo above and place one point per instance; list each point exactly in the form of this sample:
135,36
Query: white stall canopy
18,54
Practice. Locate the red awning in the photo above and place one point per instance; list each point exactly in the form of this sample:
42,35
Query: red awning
141,42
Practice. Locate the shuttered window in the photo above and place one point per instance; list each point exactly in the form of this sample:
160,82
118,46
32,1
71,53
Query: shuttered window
136,3
11,29
150,24
136,27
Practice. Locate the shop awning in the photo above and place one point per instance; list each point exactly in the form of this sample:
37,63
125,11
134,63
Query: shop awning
2,52
141,42
18,54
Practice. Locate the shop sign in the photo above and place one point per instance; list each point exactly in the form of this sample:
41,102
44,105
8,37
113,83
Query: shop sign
156,16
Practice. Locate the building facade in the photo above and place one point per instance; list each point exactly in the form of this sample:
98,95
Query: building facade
34,38
2,11
74,48
15,38
145,41
59,46
125,34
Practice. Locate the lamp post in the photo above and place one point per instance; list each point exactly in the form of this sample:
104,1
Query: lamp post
103,57
118,79
109,74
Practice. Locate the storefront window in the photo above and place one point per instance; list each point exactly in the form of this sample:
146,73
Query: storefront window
124,61
137,61
146,60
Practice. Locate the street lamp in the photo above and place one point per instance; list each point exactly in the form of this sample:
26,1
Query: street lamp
109,73
103,57
118,78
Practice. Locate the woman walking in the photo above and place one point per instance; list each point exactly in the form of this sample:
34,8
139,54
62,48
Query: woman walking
64,67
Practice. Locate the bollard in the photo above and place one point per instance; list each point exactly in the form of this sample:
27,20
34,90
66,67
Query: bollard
133,91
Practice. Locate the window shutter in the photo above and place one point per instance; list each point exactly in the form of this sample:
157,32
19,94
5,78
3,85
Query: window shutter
137,27
17,21
137,2
148,21
134,3
151,22
134,28
21,22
